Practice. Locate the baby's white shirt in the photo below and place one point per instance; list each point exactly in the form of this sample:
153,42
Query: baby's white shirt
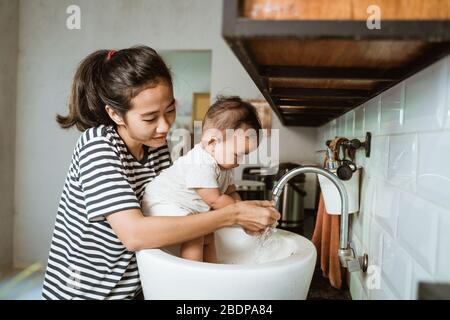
175,185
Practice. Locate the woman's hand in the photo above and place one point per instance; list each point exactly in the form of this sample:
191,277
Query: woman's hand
255,216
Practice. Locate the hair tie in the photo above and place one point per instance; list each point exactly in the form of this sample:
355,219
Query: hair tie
110,54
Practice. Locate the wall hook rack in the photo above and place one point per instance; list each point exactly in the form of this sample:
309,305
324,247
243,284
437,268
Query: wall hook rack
354,144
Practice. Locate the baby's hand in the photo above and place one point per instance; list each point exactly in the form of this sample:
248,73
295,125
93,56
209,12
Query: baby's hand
255,216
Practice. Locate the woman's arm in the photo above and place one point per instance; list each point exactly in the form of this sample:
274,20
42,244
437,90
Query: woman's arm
139,232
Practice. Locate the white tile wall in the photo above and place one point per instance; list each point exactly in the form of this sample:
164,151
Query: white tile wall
375,245
425,95
418,275
386,206
359,122
361,220
383,293
332,130
350,123
447,122
376,165
361,228
417,229
372,114
396,267
341,126
392,106
443,249
402,161
404,218
433,179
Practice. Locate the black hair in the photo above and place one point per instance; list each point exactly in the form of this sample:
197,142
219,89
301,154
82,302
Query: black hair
231,113
112,78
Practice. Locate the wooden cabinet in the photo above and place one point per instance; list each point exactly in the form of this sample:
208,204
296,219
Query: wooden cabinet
315,60
344,9
200,104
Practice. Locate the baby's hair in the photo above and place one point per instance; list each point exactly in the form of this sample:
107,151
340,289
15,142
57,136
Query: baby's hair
231,113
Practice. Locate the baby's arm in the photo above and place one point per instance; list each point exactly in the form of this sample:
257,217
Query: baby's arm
231,191
214,198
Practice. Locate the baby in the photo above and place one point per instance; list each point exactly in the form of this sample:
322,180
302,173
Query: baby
202,179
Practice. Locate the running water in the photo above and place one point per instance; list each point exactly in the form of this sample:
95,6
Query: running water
266,237
265,240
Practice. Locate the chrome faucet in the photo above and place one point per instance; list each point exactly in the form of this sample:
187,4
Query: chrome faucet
346,253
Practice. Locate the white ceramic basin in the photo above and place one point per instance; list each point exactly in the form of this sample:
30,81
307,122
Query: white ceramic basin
284,269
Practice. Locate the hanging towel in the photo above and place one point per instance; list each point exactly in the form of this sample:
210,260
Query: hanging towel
326,240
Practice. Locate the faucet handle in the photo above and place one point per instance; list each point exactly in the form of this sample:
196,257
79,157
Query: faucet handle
353,265
349,259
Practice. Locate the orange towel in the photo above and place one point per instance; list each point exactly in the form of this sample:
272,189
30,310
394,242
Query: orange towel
326,240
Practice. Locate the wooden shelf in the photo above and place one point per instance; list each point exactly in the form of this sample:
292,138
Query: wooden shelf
315,60
343,9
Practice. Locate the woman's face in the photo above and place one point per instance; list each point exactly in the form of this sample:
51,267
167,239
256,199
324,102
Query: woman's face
152,114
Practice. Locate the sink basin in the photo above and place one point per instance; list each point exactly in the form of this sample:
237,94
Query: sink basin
282,269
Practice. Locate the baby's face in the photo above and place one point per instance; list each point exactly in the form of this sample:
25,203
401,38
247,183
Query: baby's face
230,151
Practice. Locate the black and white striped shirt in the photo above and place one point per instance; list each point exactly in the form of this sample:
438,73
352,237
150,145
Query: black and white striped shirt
86,259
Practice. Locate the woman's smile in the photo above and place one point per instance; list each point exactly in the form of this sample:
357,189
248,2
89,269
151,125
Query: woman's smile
160,137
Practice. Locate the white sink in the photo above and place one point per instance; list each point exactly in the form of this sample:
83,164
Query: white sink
284,272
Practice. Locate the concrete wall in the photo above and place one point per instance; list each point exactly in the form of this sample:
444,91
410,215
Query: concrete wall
9,28
191,73
49,53
404,217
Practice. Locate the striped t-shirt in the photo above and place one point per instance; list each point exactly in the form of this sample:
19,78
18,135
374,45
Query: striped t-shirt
86,259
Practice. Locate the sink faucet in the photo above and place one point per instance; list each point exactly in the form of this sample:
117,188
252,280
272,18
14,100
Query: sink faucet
346,253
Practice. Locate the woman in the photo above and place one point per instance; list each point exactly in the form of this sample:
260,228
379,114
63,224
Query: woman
123,103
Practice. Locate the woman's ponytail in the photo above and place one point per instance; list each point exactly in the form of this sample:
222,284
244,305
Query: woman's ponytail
114,79
85,105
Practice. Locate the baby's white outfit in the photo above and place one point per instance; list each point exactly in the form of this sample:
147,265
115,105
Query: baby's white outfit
172,192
